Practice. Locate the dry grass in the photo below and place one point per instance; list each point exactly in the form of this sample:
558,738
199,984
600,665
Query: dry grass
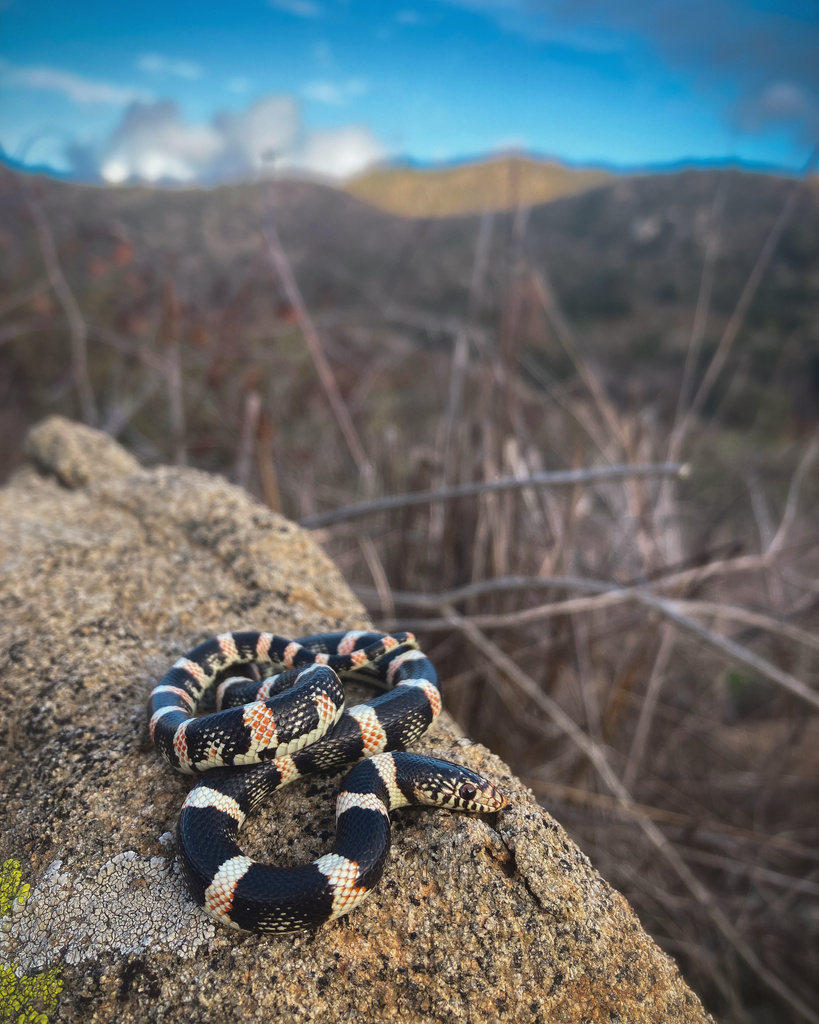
642,650
503,183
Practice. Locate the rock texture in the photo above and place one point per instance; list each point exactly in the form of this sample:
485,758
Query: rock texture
109,573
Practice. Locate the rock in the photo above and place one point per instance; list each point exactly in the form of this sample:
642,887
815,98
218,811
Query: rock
76,454
109,573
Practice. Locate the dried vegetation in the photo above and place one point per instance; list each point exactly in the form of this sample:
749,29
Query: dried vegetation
641,645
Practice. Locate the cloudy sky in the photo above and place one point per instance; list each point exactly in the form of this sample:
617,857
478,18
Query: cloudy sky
205,91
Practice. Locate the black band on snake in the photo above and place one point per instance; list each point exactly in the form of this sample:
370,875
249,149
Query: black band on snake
295,725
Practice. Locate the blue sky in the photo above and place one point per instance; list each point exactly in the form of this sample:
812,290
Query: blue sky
208,91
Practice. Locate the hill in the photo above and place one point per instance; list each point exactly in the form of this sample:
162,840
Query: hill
624,261
502,183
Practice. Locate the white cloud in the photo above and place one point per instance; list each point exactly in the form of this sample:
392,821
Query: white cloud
335,93
336,154
301,8
74,87
153,143
256,137
408,17
156,64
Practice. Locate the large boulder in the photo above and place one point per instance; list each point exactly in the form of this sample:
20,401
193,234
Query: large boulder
109,573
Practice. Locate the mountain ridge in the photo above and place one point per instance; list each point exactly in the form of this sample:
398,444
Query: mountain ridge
623,260
416,188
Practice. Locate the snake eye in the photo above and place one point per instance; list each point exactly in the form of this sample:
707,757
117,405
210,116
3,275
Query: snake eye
467,791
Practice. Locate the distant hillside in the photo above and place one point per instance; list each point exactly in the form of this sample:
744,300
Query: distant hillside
499,184
624,261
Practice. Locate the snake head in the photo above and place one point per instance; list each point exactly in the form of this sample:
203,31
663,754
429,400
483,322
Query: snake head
444,784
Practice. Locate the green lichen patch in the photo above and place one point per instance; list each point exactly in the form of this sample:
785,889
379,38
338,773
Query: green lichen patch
27,998
12,887
30,999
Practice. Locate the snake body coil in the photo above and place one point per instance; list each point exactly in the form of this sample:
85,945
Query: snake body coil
295,725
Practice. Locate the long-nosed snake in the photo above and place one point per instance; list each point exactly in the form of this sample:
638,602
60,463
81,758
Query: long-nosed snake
294,726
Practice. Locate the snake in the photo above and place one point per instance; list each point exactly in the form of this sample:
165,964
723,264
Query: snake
268,732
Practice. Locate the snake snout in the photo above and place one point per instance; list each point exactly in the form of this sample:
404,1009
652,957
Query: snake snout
499,800
444,784
481,799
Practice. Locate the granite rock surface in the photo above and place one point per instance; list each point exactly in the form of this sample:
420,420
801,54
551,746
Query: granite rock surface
108,573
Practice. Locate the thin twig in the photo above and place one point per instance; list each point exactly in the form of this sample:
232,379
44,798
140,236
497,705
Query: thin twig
753,871
701,312
513,620
750,563
76,322
566,338
247,437
169,339
733,614
560,478
315,347
648,706
691,824
609,596
789,514
122,412
103,334
460,354
727,646
376,567
264,458
748,292
434,602
667,490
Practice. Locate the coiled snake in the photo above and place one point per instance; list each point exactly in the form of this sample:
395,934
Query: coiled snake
295,725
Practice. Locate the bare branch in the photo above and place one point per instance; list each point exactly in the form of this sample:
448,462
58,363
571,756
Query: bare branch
700,314
76,322
566,338
691,824
264,458
513,620
734,650
376,567
748,292
686,577
733,614
460,354
649,703
560,478
123,344
123,411
314,344
247,437
609,596
169,337
793,497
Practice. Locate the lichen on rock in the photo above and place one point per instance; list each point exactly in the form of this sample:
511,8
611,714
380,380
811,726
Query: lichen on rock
26,997
80,918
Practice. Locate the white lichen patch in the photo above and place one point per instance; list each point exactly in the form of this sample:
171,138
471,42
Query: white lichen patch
133,905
